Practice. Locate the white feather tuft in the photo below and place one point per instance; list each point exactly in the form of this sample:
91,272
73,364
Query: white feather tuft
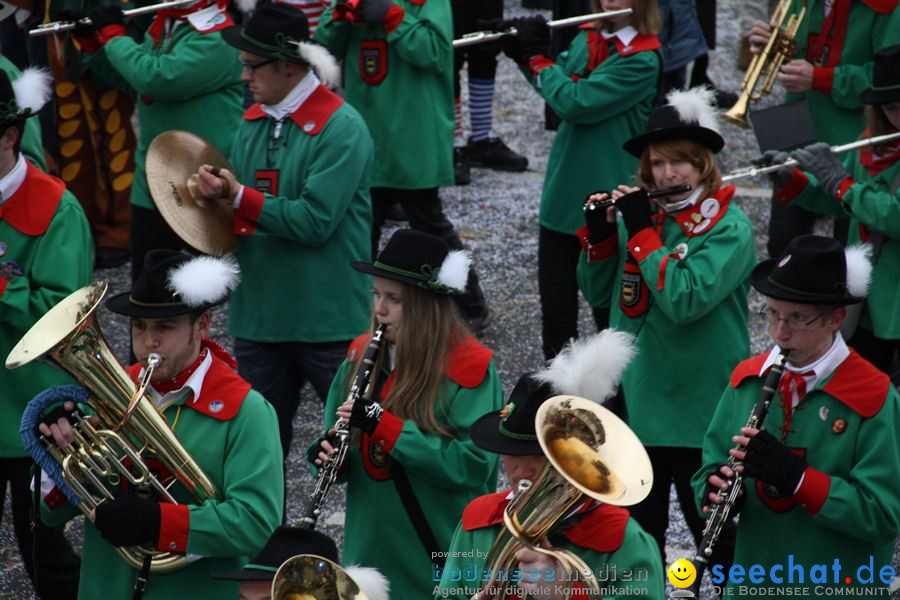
33,89
859,269
322,62
246,6
371,582
454,272
696,105
204,279
590,367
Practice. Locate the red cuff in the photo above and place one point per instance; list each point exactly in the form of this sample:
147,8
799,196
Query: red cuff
814,490
55,498
536,63
343,12
393,18
111,31
89,44
823,79
247,214
845,185
599,251
174,526
644,243
3,283
796,185
388,430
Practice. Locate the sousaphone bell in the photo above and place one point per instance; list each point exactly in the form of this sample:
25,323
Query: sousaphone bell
311,577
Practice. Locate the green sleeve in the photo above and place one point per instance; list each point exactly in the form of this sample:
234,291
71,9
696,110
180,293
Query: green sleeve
814,198
63,263
597,278
851,80
453,462
449,587
693,286
340,166
424,40
611,89
873,205
865,505
252,497
726,422
184,73
104,73
639,557
334,35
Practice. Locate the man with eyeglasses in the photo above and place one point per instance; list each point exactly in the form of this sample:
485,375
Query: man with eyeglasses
300,189
821,475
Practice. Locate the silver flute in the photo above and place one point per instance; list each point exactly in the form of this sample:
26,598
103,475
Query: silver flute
60,26
480,37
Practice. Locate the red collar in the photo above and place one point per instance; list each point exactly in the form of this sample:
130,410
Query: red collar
158,26
31,208
876,163
177,382
881,6
703,215
310,116
856,382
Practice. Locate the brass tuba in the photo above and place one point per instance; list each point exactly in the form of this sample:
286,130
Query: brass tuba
311,577
69,337
590,452
766,64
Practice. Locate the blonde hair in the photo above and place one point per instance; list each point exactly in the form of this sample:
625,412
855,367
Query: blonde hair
645,16
698,155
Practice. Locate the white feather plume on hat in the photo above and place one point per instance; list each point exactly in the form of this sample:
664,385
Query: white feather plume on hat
245,6
321,61
454,271
33,89
371,582
696,105
590,367
204,280
859,269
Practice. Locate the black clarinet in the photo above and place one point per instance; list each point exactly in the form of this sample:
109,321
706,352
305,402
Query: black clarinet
363,387
601,204
721,512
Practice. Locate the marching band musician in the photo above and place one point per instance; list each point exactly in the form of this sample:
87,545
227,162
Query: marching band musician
31,145
675,270
433,381
227,428
866,187
823,471
46,253
619,552
602,88
303,159
832,65
185,77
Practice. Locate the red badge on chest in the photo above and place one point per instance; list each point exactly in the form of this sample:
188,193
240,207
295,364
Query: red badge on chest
373,61
634,296
267,182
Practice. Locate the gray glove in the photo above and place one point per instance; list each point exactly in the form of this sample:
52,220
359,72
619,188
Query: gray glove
782,176
819,160
374,11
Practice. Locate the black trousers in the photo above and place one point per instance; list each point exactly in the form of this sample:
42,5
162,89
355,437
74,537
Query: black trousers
480,58
424,211
57,563
558,255
678,465
877,351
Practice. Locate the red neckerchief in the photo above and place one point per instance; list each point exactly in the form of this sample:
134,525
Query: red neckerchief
834,30
791,382
876,162
159,23
598,50
177,382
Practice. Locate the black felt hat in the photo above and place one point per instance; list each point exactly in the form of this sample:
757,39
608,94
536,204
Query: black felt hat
510,430
174,283
284,543
422,260
885,77
11,111
689,115
273,31
813,270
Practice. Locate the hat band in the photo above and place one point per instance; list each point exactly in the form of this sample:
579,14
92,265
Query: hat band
152,304
521,437
10,110
260,568
885,88
280,48
809,295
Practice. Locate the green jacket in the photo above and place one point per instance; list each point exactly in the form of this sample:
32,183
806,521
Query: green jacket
847,507
846,71
622,556
46,234
444,472
695,284
230,444
400,79
600,108
191,81
871,207
32,146
301,235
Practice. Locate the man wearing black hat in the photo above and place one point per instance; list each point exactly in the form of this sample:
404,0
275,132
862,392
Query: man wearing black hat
301,194
226,427
45,254
821,477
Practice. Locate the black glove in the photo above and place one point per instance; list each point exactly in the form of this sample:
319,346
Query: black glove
374,11
711,489
782,176
55,415
819,160
635,209
312,453
366,415
106,15
509,44
599,228
128,520
81,30
771,462
534,36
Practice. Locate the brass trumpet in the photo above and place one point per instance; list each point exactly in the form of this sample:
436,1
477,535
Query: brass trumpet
780,47
480,37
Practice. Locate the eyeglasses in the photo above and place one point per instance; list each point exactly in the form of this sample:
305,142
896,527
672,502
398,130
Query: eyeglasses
794,322
252,67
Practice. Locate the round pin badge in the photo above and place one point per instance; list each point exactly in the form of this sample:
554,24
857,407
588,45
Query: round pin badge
2,248
839,425
823,413
681,249
784,261
710,208
216,406
309,126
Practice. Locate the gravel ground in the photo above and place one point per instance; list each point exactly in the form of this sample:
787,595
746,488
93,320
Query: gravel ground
497,217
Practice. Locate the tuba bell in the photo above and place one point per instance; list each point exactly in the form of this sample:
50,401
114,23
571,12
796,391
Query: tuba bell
767,63
591,453
311,577
69,337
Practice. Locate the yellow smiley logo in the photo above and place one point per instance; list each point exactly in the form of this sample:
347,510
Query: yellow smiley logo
682,573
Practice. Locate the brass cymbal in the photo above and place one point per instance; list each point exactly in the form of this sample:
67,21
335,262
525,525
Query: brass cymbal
206,225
